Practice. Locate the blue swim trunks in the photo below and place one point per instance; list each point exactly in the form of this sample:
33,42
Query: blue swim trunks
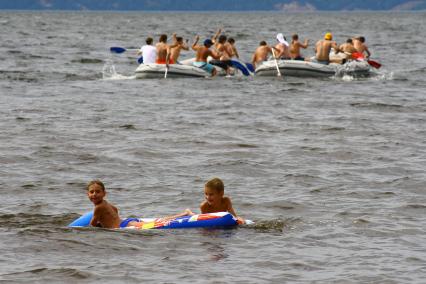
125,222
204,65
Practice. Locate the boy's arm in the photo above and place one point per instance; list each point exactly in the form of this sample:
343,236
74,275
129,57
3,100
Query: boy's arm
368,52
185,45
232,211
194,45
96,216
214,38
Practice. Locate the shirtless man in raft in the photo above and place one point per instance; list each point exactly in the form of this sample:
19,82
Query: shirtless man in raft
202,52
261,54
295,47
178,45
359,44
226,52
323,47
164,51
347,49
282,48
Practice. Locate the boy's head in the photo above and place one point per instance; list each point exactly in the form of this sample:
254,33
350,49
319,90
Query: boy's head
295,37
179,39
163,38
214,190
96,191
208,43
222,39
231,40
149,40
262,43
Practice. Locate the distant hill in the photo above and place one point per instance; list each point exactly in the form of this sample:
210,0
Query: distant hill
215,5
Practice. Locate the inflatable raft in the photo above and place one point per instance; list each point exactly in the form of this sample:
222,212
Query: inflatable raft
152,71
298,68
219,219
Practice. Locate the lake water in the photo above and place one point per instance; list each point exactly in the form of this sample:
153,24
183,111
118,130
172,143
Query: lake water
331,170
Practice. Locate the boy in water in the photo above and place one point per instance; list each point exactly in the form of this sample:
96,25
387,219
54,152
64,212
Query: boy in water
105,215
215,201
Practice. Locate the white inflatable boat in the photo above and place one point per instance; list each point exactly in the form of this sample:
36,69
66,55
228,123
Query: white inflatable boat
151,71
298,68
186,69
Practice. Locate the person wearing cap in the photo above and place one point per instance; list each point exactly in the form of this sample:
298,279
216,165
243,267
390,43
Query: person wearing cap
282,47
323,47
361,47
202,52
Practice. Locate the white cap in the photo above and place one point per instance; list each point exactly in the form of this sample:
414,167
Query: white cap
281,39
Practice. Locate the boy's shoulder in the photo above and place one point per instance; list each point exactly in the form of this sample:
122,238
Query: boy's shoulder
105,205
226,199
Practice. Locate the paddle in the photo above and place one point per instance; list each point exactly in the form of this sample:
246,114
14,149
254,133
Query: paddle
276,63
250,67
117,49
375,64
245,70
359,56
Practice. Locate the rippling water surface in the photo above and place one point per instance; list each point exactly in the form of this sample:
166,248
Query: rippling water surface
332,170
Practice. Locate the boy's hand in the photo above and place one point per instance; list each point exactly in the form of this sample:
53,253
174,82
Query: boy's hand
240,221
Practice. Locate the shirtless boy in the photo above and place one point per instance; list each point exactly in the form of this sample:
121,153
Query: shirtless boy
359,44
202,52
295,47
282,48
323,47
231,46
347,48
163,51
225,52
215,201
105,215
261,54
177,47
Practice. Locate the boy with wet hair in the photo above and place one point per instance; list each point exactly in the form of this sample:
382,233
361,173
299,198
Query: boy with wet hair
215,201
105,215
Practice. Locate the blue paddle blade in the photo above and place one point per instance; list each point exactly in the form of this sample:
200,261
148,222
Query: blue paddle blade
250,67
241,67
140,60
117,49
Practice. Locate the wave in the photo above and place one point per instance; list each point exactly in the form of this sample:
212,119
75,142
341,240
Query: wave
58,274
380,106
87,61
24,220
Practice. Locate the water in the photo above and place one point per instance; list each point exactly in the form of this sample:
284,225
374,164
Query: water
332,170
